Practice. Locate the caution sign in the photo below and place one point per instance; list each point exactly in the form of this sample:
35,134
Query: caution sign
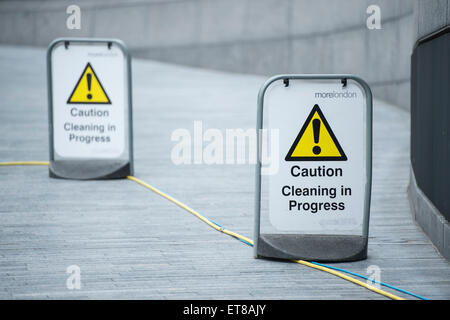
316,141
313,187
318,179
90,105
89,89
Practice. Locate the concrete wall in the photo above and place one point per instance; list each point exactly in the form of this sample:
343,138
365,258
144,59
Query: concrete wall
251,36
431,15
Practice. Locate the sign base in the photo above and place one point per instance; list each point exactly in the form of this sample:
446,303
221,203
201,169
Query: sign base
312,247
90,169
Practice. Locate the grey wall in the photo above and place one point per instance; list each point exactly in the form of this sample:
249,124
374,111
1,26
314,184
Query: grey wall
431,15
250,36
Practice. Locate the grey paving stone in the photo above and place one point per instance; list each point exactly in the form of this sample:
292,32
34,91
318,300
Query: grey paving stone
132,244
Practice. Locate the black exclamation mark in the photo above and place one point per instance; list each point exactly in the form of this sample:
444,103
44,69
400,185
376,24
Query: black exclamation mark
316,129
89,80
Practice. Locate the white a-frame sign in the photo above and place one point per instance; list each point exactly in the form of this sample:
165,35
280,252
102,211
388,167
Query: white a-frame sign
315,205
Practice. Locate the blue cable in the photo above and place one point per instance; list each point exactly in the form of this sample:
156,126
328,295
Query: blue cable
247,243
374,281
342,270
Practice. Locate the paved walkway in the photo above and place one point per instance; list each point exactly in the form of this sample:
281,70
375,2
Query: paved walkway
131,243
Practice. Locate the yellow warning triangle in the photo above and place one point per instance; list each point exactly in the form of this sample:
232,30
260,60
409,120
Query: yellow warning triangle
89,89
316,141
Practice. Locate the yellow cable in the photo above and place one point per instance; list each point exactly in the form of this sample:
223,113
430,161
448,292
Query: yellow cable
25,163
237,235
355,281
223,230
188,209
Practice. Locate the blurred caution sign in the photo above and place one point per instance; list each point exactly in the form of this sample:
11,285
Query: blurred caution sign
90,107
89,101
316,141
89,89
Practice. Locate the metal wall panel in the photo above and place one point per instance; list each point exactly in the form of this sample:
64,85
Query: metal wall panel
430,118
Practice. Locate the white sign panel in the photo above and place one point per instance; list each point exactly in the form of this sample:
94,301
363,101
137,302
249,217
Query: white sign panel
89,101
320,184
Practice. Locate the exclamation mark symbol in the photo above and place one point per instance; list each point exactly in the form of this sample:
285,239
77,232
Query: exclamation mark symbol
316,129
89,81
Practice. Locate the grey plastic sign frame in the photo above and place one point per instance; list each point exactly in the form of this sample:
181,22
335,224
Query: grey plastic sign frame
90,169
316,248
